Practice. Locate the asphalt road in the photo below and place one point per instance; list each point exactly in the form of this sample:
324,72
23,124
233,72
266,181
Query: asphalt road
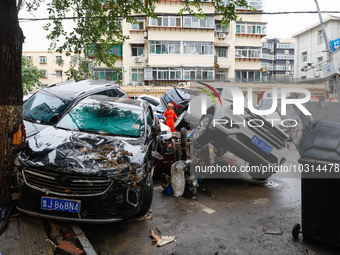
227,216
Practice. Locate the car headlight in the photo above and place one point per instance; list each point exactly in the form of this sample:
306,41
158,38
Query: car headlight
17,162
140,172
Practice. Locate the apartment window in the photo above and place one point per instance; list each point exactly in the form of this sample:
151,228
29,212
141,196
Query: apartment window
282,56
198,74
42,59
73,59
264,56
247,52
198,48
30,58
286,51
304,56
108,74
222,52
257,4
59,73
264,45
137,50
221,75
164,47
166,21
246,76
117,50
320,37
221,27
194,22
250,28
166,73
137,75
44,74
140,25
285,45
59,60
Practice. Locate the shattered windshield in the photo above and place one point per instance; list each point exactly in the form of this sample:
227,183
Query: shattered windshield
41,107
104,117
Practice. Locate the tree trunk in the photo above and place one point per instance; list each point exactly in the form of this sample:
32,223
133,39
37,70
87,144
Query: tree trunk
11,39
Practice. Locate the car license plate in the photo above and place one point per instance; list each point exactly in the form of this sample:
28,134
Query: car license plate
261,144
59,204
167,99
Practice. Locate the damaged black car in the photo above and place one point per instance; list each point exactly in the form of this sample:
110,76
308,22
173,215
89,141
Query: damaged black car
94,166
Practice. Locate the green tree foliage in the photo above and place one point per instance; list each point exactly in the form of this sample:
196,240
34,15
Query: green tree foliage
97,26
30,75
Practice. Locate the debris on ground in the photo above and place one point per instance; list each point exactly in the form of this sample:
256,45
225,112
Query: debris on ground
270,232
161,240
178,178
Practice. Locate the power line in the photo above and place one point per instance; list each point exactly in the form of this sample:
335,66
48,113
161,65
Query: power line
207,14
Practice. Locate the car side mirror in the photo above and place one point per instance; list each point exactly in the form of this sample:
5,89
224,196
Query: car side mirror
55,118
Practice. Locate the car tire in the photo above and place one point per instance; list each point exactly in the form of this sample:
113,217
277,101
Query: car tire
146,197
201,132
180,122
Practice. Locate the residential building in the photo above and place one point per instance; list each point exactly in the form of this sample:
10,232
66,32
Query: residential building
53,63
176,50
310,48
278,59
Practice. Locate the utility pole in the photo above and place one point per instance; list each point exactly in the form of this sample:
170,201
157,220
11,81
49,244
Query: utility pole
328,47
330,53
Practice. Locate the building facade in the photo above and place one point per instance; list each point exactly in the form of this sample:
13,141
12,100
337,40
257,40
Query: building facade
175,50
310,49
53,63
278,59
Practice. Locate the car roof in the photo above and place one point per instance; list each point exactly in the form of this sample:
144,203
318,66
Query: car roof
120,101
69,90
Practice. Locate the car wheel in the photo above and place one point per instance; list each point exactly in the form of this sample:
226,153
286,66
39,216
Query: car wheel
180,122
146,197
200,133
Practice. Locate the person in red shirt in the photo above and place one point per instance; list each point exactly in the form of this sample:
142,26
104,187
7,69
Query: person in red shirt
170,116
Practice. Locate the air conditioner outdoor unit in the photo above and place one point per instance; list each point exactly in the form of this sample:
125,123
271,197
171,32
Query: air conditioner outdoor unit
146,58
221,35
141,83
138,59
145,34
271,51
132,84
182,84
215,58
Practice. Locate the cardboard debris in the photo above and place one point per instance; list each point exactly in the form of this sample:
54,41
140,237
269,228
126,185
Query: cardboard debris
270,232
161,240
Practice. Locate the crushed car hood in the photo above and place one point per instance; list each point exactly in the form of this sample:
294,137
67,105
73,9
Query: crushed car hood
72,151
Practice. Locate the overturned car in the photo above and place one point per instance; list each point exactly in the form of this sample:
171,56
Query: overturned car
251,137
94,166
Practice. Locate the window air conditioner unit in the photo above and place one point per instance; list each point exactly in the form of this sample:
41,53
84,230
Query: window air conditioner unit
221,35
138,59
